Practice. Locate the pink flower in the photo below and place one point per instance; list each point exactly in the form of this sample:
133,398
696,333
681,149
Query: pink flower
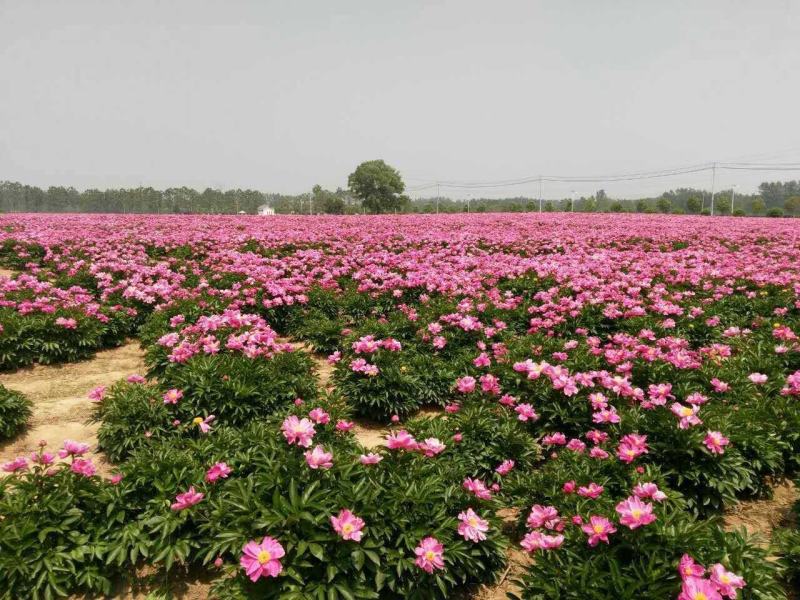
716,442
568,487
42,458
452,408
719,386
344,425
370,459
525,412
598,529
472,527
726,582
592,491
83,466
431,447
634,513
544,516
172,396
695,588
631,446
554,439
505,467
319,416
116,478
689,568
298,431
687,415
18,464
649,490
477,487
262,560
187,499
73,448
401,440
536,540
135,378
430,555
97,394
465,385
318,458
757,378
219,470
204,424
347,525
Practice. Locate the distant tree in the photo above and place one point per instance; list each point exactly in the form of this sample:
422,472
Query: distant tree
641,205
548,206
792,205
693,205
775,212
664,205
324,201
758,206
378,186
722,204
601,196
616,207
590,204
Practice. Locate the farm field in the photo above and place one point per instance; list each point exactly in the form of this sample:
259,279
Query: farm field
545,406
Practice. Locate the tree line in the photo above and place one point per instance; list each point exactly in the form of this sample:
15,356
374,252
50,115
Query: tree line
375,187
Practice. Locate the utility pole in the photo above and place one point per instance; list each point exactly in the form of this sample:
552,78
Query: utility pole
572,207
540,193
713,181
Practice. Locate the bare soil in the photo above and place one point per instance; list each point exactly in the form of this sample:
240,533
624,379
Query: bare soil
761,517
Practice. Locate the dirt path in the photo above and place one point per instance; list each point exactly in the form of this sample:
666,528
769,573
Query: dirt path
59,397
761,517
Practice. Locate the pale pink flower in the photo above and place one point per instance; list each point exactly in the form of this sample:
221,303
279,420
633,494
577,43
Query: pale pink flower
471,526
318,458
187,499
262,560
347,525
430,555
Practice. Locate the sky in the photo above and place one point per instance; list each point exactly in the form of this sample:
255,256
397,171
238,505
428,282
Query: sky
280,96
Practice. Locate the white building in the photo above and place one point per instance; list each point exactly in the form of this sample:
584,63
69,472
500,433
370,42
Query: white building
266,210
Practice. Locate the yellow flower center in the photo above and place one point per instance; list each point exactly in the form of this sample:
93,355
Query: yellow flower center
598,528
197,420
686,411
264,557
725,579
700,596
636,513
430,555
347,528
473,522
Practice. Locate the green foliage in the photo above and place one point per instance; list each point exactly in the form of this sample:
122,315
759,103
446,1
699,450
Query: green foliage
15,410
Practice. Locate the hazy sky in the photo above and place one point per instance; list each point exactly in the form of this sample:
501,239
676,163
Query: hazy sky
279,96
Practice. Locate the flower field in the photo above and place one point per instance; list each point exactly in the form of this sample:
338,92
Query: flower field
593,392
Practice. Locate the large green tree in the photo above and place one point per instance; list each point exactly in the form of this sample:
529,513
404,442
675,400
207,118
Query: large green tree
378,186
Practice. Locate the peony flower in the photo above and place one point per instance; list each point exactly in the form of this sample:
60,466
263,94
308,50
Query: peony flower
370,459
536,540
431,447
73,448
83,466
347,525
525,412
172,396
477,487
187,499
319,416
689,568
726,582
592,490
97,394
716,442
262,560
18,464
757,378
344,425
430,555
544,516
505,467
401,440
204,424
298,431
634,513
649,490
219,470
472,527
694,588
598,529
466,384
318,458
